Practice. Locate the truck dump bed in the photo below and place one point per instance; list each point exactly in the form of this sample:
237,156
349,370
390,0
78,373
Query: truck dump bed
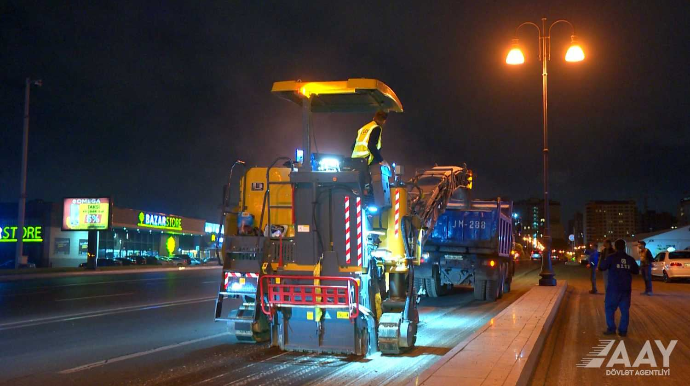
483,227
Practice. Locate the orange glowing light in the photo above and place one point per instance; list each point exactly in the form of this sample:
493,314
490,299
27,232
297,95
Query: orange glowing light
574,54
515,57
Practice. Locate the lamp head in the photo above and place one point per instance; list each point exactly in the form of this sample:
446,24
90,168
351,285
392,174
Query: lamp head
575,53
515,56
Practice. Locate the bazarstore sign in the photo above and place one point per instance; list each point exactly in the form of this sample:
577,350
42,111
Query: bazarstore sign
160,221
32,234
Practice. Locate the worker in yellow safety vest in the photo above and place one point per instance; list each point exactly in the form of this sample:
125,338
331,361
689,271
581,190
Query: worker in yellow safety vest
368,142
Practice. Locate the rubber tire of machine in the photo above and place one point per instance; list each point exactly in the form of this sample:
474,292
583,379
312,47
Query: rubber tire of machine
479,289
434,288
492,290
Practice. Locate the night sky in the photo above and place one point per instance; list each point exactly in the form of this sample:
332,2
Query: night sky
151,104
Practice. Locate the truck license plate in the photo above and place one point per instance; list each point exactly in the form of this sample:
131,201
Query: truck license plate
453,257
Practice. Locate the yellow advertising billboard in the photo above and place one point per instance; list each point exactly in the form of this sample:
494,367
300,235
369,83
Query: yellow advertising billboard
82,214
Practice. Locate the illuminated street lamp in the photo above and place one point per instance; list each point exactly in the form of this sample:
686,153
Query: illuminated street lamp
515,57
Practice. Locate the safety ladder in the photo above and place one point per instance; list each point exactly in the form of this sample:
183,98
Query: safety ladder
270,206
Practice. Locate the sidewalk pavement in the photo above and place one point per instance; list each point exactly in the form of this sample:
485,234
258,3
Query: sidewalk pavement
505,351
28,275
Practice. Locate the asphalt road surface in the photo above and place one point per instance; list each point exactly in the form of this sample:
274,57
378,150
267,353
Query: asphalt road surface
580,322
158,329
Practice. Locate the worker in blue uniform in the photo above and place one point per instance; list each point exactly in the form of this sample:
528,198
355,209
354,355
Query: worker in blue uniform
592,264
621,267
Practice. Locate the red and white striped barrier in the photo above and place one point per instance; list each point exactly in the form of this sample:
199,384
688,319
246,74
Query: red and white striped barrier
397,213
348,251
359,231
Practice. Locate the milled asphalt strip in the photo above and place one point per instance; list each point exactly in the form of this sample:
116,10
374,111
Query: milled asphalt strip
93,297
242,368
94,314
139,354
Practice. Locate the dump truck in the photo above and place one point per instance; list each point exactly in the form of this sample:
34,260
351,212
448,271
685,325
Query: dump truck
467,241
320,251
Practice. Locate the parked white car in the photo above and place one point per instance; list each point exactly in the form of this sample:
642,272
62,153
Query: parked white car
672,265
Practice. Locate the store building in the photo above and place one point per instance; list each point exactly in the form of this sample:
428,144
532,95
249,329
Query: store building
133,232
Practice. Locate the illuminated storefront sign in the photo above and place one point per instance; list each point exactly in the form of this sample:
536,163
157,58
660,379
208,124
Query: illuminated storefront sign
212,227
159,221
82,214
32,234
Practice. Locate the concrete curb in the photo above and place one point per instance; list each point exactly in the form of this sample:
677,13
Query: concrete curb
520,373
533,358
29,276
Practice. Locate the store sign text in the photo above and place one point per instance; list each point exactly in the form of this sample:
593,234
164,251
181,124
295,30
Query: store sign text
160,221
32,234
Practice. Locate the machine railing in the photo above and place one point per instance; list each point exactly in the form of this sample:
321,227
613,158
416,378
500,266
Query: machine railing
278,294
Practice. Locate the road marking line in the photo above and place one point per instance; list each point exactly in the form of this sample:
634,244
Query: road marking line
208,282
93,314
93,297
139,354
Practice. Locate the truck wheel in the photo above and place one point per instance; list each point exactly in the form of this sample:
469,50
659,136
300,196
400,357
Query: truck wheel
479,289
492,290
434,288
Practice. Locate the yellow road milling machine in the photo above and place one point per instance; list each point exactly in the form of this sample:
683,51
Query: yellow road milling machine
320,250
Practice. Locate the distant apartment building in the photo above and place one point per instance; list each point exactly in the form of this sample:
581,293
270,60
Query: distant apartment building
609,220
684,212
530,219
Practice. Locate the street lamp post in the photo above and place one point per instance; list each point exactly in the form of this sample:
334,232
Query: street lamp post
22,184
515,56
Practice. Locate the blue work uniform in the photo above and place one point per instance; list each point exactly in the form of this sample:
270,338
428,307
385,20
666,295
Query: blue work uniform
593,264
621,267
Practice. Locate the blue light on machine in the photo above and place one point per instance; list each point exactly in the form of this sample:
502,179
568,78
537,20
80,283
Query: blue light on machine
329,165
299,156
515,215
372,209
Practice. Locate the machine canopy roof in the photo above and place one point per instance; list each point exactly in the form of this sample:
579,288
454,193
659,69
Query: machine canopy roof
348,96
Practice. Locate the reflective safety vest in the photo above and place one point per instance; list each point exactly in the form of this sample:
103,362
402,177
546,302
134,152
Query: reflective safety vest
361,149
